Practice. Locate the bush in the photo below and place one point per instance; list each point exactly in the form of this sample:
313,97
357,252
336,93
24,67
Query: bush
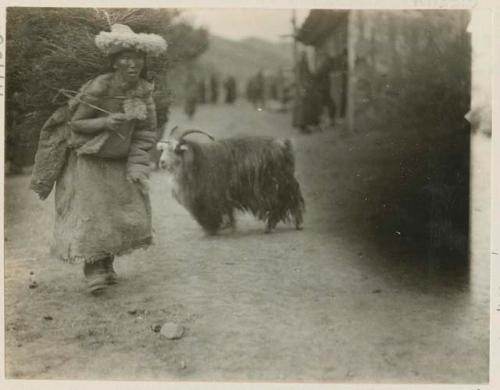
53,48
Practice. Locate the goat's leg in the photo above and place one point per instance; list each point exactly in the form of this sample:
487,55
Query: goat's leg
229,222
298,205
209,219
297,216
272,221
232,221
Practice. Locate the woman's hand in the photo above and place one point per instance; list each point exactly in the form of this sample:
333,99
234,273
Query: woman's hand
114,121
140,179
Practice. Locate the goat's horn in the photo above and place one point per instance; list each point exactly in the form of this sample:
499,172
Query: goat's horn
193,131
173,130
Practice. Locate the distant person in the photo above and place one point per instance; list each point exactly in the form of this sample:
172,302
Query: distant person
306,115
214,89
273,89
251,92
202,91
286,97
260,90
321,86
230,87
191,96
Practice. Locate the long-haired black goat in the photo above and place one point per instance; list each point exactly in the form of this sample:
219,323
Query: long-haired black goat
213,179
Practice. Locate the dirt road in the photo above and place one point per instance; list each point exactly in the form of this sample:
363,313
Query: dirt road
323,304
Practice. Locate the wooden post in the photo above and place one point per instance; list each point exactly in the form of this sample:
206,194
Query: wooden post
296,100
295,67
352,36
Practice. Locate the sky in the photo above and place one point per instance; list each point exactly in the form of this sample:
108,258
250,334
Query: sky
241,23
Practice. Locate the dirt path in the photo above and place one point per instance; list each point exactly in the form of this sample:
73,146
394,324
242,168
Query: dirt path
323,304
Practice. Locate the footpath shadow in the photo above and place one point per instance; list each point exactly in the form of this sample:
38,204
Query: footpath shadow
408,194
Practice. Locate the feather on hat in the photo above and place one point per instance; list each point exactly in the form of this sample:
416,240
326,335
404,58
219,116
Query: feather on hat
121,37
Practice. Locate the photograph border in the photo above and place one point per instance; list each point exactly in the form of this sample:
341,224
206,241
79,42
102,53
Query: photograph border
492,5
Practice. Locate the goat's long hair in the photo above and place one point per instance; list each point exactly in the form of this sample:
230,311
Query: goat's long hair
252,174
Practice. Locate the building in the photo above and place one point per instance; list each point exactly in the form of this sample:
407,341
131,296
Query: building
403,78
385,68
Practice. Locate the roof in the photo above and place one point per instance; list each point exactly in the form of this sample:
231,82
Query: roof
319,23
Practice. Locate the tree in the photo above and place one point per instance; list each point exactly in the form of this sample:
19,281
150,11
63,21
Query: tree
53,48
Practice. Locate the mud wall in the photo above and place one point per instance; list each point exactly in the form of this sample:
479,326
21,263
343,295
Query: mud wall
409,78
408,67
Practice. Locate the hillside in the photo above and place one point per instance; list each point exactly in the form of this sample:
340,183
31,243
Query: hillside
241,59
244,58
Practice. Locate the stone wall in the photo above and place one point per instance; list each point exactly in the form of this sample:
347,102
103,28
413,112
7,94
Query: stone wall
480,28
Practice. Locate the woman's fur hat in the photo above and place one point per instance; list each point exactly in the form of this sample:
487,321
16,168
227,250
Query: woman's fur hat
121,37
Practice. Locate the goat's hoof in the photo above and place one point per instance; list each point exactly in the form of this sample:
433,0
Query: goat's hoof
299,227
97,286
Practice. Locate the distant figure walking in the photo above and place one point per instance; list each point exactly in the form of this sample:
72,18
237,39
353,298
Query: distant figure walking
255,91
306,111
191,96
214,89
230,87
321,89
260,90
202,91
250,92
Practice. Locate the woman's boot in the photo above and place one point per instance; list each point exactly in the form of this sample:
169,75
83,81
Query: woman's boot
110,271
95,276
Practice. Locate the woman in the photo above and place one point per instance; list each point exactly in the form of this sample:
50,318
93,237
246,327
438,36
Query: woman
102,203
